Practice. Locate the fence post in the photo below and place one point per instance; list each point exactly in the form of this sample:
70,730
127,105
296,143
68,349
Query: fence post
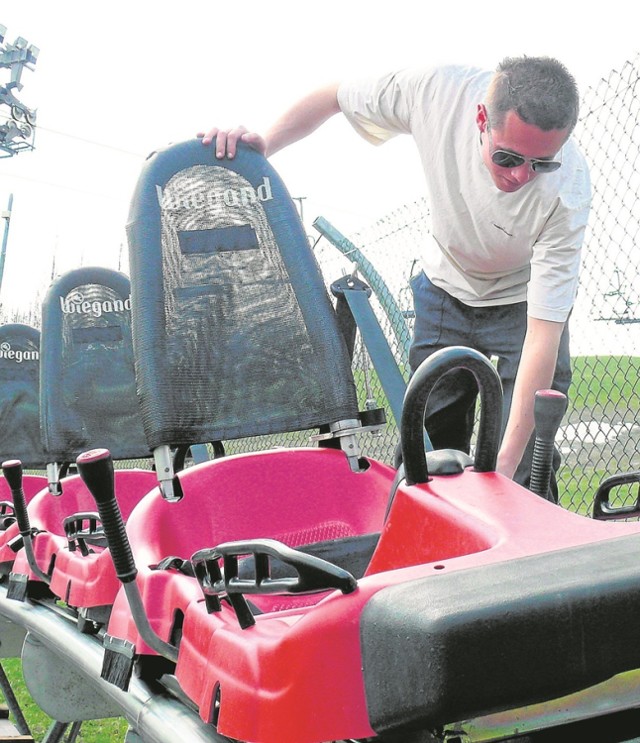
375,281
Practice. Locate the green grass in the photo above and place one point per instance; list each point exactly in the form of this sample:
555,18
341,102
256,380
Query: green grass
577,494
605,383
604,388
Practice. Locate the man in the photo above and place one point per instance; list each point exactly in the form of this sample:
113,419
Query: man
509,197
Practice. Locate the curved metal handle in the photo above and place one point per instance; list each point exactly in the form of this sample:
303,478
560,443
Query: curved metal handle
313,574
84,528
603,511
7,514
420,387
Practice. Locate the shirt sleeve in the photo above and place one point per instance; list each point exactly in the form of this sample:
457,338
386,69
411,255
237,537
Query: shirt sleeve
381,108
555,263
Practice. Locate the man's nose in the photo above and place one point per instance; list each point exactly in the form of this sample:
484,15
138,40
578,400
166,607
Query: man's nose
523,173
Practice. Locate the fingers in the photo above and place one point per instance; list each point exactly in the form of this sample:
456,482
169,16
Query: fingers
208,137
226,140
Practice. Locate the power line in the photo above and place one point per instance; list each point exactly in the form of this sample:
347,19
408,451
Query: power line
50,184
83,139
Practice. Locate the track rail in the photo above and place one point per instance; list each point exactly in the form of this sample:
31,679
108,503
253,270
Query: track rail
155,715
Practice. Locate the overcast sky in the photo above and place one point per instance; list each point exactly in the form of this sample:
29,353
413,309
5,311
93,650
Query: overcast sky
115,80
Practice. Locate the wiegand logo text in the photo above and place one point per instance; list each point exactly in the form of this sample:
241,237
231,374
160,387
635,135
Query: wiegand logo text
17,354
76,303
172,199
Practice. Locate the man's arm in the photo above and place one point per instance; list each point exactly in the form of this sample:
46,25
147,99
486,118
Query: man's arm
535,372
303,118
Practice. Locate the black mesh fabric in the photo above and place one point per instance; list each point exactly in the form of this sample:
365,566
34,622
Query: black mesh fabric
234,333
88,391
20,395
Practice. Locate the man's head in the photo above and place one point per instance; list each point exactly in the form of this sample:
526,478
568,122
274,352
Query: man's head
539,89
530,110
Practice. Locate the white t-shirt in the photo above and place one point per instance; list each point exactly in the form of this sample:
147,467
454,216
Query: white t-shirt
487,246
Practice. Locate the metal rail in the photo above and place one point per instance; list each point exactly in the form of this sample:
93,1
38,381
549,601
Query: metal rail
155,717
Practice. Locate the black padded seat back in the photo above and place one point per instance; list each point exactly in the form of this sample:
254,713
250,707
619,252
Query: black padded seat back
88,390
234,333
20,395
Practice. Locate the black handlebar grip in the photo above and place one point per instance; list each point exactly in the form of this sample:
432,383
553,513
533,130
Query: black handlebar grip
12,470
96,470
549,407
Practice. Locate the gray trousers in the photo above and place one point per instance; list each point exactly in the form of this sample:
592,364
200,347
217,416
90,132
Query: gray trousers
499,330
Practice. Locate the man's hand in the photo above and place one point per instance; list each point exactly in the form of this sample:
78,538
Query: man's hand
227,140
536,370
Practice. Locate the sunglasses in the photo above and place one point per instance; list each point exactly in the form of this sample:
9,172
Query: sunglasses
506,159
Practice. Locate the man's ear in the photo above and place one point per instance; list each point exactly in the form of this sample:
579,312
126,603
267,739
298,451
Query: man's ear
482,118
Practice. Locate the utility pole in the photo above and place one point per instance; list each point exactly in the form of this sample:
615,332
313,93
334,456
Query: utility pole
300,199
6,215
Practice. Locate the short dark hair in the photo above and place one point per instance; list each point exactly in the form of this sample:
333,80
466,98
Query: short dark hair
539,89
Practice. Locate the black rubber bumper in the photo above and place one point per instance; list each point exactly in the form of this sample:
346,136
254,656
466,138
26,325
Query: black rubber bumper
462,644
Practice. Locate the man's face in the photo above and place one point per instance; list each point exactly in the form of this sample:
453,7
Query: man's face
517,137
